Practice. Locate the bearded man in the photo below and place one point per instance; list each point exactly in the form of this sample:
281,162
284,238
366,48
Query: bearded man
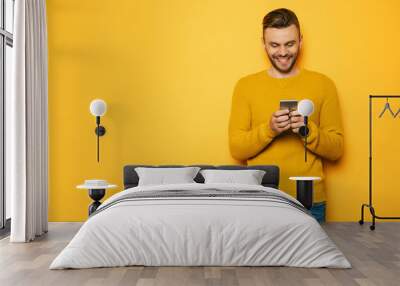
262,134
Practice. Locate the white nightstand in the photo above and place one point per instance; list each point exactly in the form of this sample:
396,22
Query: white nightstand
96,193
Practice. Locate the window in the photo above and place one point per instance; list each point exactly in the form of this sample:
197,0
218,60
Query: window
6,57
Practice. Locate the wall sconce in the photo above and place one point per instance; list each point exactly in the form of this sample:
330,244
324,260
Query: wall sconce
98,108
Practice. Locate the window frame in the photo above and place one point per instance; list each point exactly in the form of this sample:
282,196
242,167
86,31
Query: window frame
6,39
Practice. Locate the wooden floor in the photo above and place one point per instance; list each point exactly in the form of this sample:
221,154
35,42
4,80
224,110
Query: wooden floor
375,257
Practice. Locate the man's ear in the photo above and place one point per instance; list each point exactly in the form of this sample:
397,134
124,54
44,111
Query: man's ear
301,41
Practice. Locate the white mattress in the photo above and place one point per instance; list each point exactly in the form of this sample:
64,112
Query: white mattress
200,231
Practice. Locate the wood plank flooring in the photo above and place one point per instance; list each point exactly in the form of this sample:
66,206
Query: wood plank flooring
375,257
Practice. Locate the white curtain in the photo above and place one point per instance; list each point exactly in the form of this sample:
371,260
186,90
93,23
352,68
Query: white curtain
26,123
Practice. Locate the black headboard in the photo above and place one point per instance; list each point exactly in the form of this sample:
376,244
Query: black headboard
270,179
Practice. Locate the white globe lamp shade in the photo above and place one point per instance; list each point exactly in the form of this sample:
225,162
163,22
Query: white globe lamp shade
98,107
305,107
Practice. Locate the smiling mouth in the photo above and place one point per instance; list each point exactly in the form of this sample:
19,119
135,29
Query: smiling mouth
283,60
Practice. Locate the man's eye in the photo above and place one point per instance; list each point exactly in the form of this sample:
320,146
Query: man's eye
290,44
274,45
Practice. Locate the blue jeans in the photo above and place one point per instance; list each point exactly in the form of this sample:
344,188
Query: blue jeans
318,211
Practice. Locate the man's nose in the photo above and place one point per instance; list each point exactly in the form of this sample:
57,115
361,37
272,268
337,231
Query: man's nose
283,52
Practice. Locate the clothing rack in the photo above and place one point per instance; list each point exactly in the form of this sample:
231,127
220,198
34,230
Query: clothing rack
370,205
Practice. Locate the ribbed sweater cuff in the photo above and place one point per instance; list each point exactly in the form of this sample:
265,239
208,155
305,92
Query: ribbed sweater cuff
266,133
313,132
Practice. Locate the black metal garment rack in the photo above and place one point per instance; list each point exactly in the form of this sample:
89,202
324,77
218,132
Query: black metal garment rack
369,205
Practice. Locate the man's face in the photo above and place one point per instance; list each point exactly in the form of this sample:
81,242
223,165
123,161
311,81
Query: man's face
282,46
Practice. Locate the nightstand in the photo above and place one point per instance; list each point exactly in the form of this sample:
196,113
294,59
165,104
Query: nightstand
304,190
96,193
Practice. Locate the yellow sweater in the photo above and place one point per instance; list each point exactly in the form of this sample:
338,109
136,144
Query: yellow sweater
254,100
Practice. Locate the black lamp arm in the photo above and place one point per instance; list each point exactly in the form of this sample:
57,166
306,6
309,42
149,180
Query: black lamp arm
100,131
303,131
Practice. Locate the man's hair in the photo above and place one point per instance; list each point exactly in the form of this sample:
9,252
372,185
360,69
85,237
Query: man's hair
280,18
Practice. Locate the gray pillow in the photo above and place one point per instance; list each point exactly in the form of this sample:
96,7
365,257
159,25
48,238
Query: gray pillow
163,176
248,177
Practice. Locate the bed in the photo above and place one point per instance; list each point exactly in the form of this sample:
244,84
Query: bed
201,224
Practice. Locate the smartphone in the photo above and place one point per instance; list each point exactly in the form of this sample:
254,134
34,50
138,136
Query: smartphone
288,104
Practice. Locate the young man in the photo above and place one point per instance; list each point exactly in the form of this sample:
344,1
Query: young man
260,133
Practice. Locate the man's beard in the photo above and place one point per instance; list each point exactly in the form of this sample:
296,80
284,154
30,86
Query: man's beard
287,70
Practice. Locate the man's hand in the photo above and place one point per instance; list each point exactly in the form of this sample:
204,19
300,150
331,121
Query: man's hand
280,121
296,121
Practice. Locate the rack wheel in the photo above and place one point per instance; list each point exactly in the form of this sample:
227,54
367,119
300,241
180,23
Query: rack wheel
372,227
361,222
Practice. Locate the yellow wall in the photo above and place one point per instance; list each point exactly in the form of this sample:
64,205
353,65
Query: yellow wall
167,68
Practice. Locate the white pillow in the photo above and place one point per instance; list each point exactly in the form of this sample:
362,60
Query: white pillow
248,177
163,176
